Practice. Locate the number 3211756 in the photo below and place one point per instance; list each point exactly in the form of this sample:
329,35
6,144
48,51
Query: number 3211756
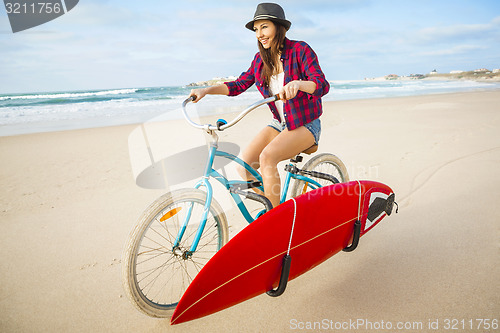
480,324
33,8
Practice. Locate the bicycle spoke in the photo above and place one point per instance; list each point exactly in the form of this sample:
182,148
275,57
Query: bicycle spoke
153,282
169,262
200,263
150,258
163,225
189,279
154,269
159,234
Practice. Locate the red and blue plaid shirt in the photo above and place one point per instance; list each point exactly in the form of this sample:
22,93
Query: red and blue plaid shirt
299,63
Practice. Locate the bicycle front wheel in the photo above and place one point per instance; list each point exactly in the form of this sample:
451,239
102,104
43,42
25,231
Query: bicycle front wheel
324,163
155,272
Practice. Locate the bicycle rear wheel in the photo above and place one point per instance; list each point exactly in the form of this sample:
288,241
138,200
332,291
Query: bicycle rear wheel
154,274
324,163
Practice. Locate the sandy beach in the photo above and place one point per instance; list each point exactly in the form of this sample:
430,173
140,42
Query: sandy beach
69,199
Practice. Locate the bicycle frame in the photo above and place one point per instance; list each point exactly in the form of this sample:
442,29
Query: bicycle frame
210,172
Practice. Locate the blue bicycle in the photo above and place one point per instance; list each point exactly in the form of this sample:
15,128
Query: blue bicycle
179,232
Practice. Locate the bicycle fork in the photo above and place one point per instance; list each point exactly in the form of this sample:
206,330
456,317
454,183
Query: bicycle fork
206,209
199,232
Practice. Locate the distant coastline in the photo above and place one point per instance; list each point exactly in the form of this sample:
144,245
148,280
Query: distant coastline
212,82
483,75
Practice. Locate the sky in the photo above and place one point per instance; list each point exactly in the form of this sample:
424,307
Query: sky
107,44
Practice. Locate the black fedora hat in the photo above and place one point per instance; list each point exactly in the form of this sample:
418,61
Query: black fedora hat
269,11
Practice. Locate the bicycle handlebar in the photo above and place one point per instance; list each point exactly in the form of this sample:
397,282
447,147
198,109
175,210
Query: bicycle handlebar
209,127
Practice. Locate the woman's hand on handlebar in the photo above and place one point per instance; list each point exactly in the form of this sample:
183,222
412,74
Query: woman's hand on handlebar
198,94
291,89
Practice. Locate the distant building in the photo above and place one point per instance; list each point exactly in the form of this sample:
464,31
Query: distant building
417,76
456,72
497,70
481,70
212,82
433,72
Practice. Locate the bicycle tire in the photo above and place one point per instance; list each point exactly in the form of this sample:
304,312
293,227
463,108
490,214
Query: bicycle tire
325,163
155,276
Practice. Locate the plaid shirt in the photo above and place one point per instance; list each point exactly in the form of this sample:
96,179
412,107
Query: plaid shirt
299,63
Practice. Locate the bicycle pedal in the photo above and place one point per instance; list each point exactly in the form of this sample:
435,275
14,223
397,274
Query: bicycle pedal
297,159
246,186
292,169
253,196
254,184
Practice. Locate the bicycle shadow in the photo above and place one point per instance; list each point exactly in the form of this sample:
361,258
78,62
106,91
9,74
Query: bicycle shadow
166,152
182,167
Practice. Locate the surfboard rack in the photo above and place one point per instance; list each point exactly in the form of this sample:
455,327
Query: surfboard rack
285,271
355,238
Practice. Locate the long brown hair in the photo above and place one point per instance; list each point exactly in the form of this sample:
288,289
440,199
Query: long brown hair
270,56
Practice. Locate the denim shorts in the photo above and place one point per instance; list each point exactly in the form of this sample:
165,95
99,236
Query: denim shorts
314,127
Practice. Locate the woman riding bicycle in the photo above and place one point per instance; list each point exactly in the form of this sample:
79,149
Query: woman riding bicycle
290,69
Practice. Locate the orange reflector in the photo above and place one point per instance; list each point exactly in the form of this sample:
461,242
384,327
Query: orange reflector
304,190
170,214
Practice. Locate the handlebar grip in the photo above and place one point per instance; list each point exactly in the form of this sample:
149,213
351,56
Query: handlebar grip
189,99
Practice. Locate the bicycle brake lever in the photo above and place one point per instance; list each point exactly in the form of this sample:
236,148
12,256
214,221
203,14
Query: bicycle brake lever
220,123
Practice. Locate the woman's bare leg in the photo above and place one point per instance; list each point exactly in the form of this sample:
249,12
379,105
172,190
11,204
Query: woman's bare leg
252,152
284,146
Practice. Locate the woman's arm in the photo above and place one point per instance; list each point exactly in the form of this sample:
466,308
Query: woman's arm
220,89
313,71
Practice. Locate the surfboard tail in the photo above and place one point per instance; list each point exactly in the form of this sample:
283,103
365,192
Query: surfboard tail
379,203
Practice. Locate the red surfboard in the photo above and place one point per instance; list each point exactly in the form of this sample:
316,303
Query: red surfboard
251,262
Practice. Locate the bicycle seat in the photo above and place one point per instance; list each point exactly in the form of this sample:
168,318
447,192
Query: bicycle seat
310,150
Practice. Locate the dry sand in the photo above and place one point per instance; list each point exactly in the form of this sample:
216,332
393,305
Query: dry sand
68,201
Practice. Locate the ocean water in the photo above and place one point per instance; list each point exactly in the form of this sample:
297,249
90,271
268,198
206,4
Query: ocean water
54,111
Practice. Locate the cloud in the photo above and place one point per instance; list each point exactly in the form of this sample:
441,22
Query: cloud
460,32
455,50
293,7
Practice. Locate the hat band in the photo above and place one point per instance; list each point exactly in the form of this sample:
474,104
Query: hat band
261,17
